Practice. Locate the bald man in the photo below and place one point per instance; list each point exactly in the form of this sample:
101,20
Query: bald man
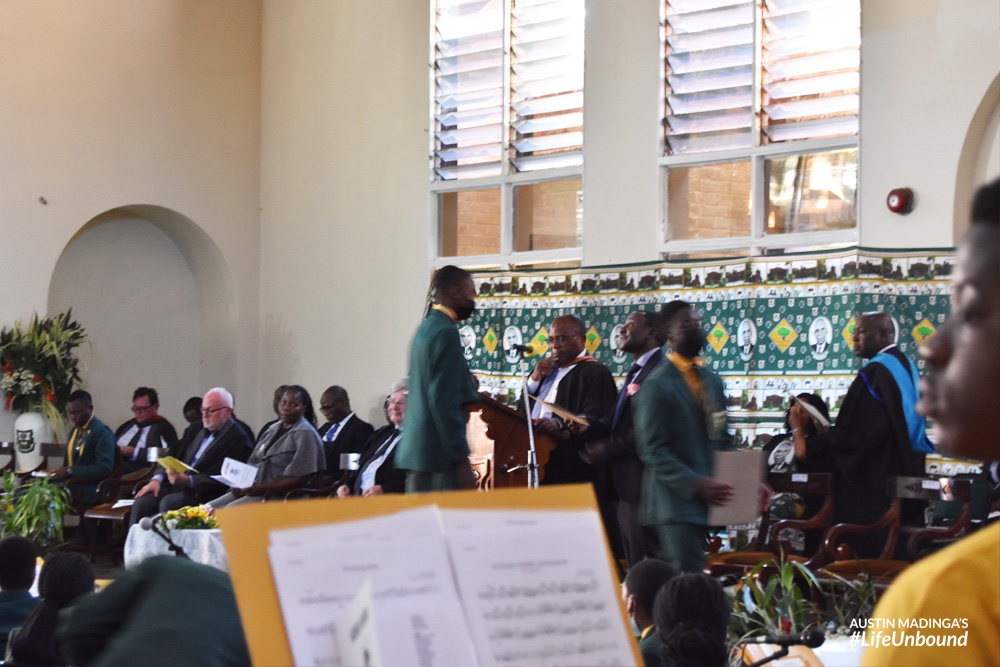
878,431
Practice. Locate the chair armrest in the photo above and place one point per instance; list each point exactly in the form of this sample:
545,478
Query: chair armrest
888,520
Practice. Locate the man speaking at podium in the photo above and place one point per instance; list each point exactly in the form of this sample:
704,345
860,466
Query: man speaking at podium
433,449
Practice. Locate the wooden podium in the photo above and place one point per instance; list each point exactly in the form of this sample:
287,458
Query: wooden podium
504,445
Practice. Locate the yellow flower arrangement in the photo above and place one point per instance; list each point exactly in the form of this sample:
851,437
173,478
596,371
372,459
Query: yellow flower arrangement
200,517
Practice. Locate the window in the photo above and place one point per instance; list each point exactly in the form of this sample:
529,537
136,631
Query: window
507,147
760,124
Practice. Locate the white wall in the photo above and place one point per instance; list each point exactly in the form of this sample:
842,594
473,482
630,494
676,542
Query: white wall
344,197
293,135
114,103
926,67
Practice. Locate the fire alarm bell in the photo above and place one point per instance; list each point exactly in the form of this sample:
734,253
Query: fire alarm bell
900,200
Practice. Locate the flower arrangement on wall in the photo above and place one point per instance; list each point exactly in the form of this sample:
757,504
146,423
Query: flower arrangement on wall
39,368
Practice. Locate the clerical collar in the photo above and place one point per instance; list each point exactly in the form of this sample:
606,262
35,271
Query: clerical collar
452,315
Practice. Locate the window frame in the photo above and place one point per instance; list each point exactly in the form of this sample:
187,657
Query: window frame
508,179
758,242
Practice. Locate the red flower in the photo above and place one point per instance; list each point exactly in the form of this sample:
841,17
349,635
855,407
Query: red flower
6,368
49,396
36,379
10,399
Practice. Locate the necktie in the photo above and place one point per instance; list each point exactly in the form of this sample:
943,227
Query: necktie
332,433
378,454
203,447
543,391
632,372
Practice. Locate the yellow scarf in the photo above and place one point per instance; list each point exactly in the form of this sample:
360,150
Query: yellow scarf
78,432
687,368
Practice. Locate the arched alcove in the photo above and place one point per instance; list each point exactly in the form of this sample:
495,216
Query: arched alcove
979,161
157,300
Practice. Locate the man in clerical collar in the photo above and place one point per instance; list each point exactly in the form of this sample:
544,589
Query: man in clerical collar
147,429
433,449
204,449
574,381
344,432
680,422
91,449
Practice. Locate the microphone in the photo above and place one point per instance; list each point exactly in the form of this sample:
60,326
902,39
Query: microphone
523,349
811,638
147,523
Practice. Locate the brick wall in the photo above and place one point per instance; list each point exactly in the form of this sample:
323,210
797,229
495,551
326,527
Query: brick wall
709,201
470,222
546,215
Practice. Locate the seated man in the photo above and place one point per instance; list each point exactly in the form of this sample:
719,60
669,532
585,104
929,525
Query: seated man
643,581
376,473
204,450
343,432
17,574
146,429
91,449
192,410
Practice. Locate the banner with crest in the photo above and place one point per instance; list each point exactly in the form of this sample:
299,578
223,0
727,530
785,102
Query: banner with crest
775,325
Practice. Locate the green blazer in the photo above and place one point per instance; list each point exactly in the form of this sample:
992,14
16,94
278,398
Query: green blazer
96,459
440,388
676,439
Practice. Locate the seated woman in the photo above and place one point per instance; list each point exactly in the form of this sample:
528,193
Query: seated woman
803,447
64,579
286,454
376,474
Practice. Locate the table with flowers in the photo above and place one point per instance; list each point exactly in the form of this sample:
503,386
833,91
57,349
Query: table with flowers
191,528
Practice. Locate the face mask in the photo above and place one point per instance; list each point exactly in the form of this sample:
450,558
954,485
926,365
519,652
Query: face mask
692,342
465,311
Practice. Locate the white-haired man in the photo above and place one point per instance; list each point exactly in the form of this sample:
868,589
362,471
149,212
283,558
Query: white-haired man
204,450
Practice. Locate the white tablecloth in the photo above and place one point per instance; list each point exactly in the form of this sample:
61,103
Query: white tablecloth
203,546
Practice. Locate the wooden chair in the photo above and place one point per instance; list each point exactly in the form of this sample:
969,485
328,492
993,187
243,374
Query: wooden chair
767,544
884,568
109,492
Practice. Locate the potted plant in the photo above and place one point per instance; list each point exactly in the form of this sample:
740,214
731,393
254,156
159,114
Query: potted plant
39,371
35,511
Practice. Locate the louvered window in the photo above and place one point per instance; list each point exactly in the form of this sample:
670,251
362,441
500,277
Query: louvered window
755,91
507,86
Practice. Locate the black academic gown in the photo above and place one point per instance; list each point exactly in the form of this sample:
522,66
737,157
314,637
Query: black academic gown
869,443
587,390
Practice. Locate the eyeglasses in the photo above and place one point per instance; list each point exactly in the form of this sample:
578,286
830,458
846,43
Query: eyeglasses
397,402
562,340
212,411
141,408
325,408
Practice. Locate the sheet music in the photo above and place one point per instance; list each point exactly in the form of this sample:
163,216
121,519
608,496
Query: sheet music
536,587
319,570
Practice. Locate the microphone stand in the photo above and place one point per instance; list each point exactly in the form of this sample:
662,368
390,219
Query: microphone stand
173,546
532,464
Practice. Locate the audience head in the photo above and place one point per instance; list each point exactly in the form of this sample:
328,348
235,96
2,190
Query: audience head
816,402
145,404
17,563
335,404
80,407
453,288
192,409
643,581
395,404
639,334
691,614
568,337
296,404
873,332
679,324
65,577
959,388
216,408
278,394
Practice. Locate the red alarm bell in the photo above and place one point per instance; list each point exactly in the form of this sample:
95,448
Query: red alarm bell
900,200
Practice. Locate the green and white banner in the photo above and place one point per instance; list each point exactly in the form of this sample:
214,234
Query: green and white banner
775,324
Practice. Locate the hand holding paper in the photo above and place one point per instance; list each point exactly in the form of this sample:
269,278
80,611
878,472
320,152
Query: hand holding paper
176,465
236,474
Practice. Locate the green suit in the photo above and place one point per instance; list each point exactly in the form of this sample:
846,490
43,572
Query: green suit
165,611
676,439
94,458
440,388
